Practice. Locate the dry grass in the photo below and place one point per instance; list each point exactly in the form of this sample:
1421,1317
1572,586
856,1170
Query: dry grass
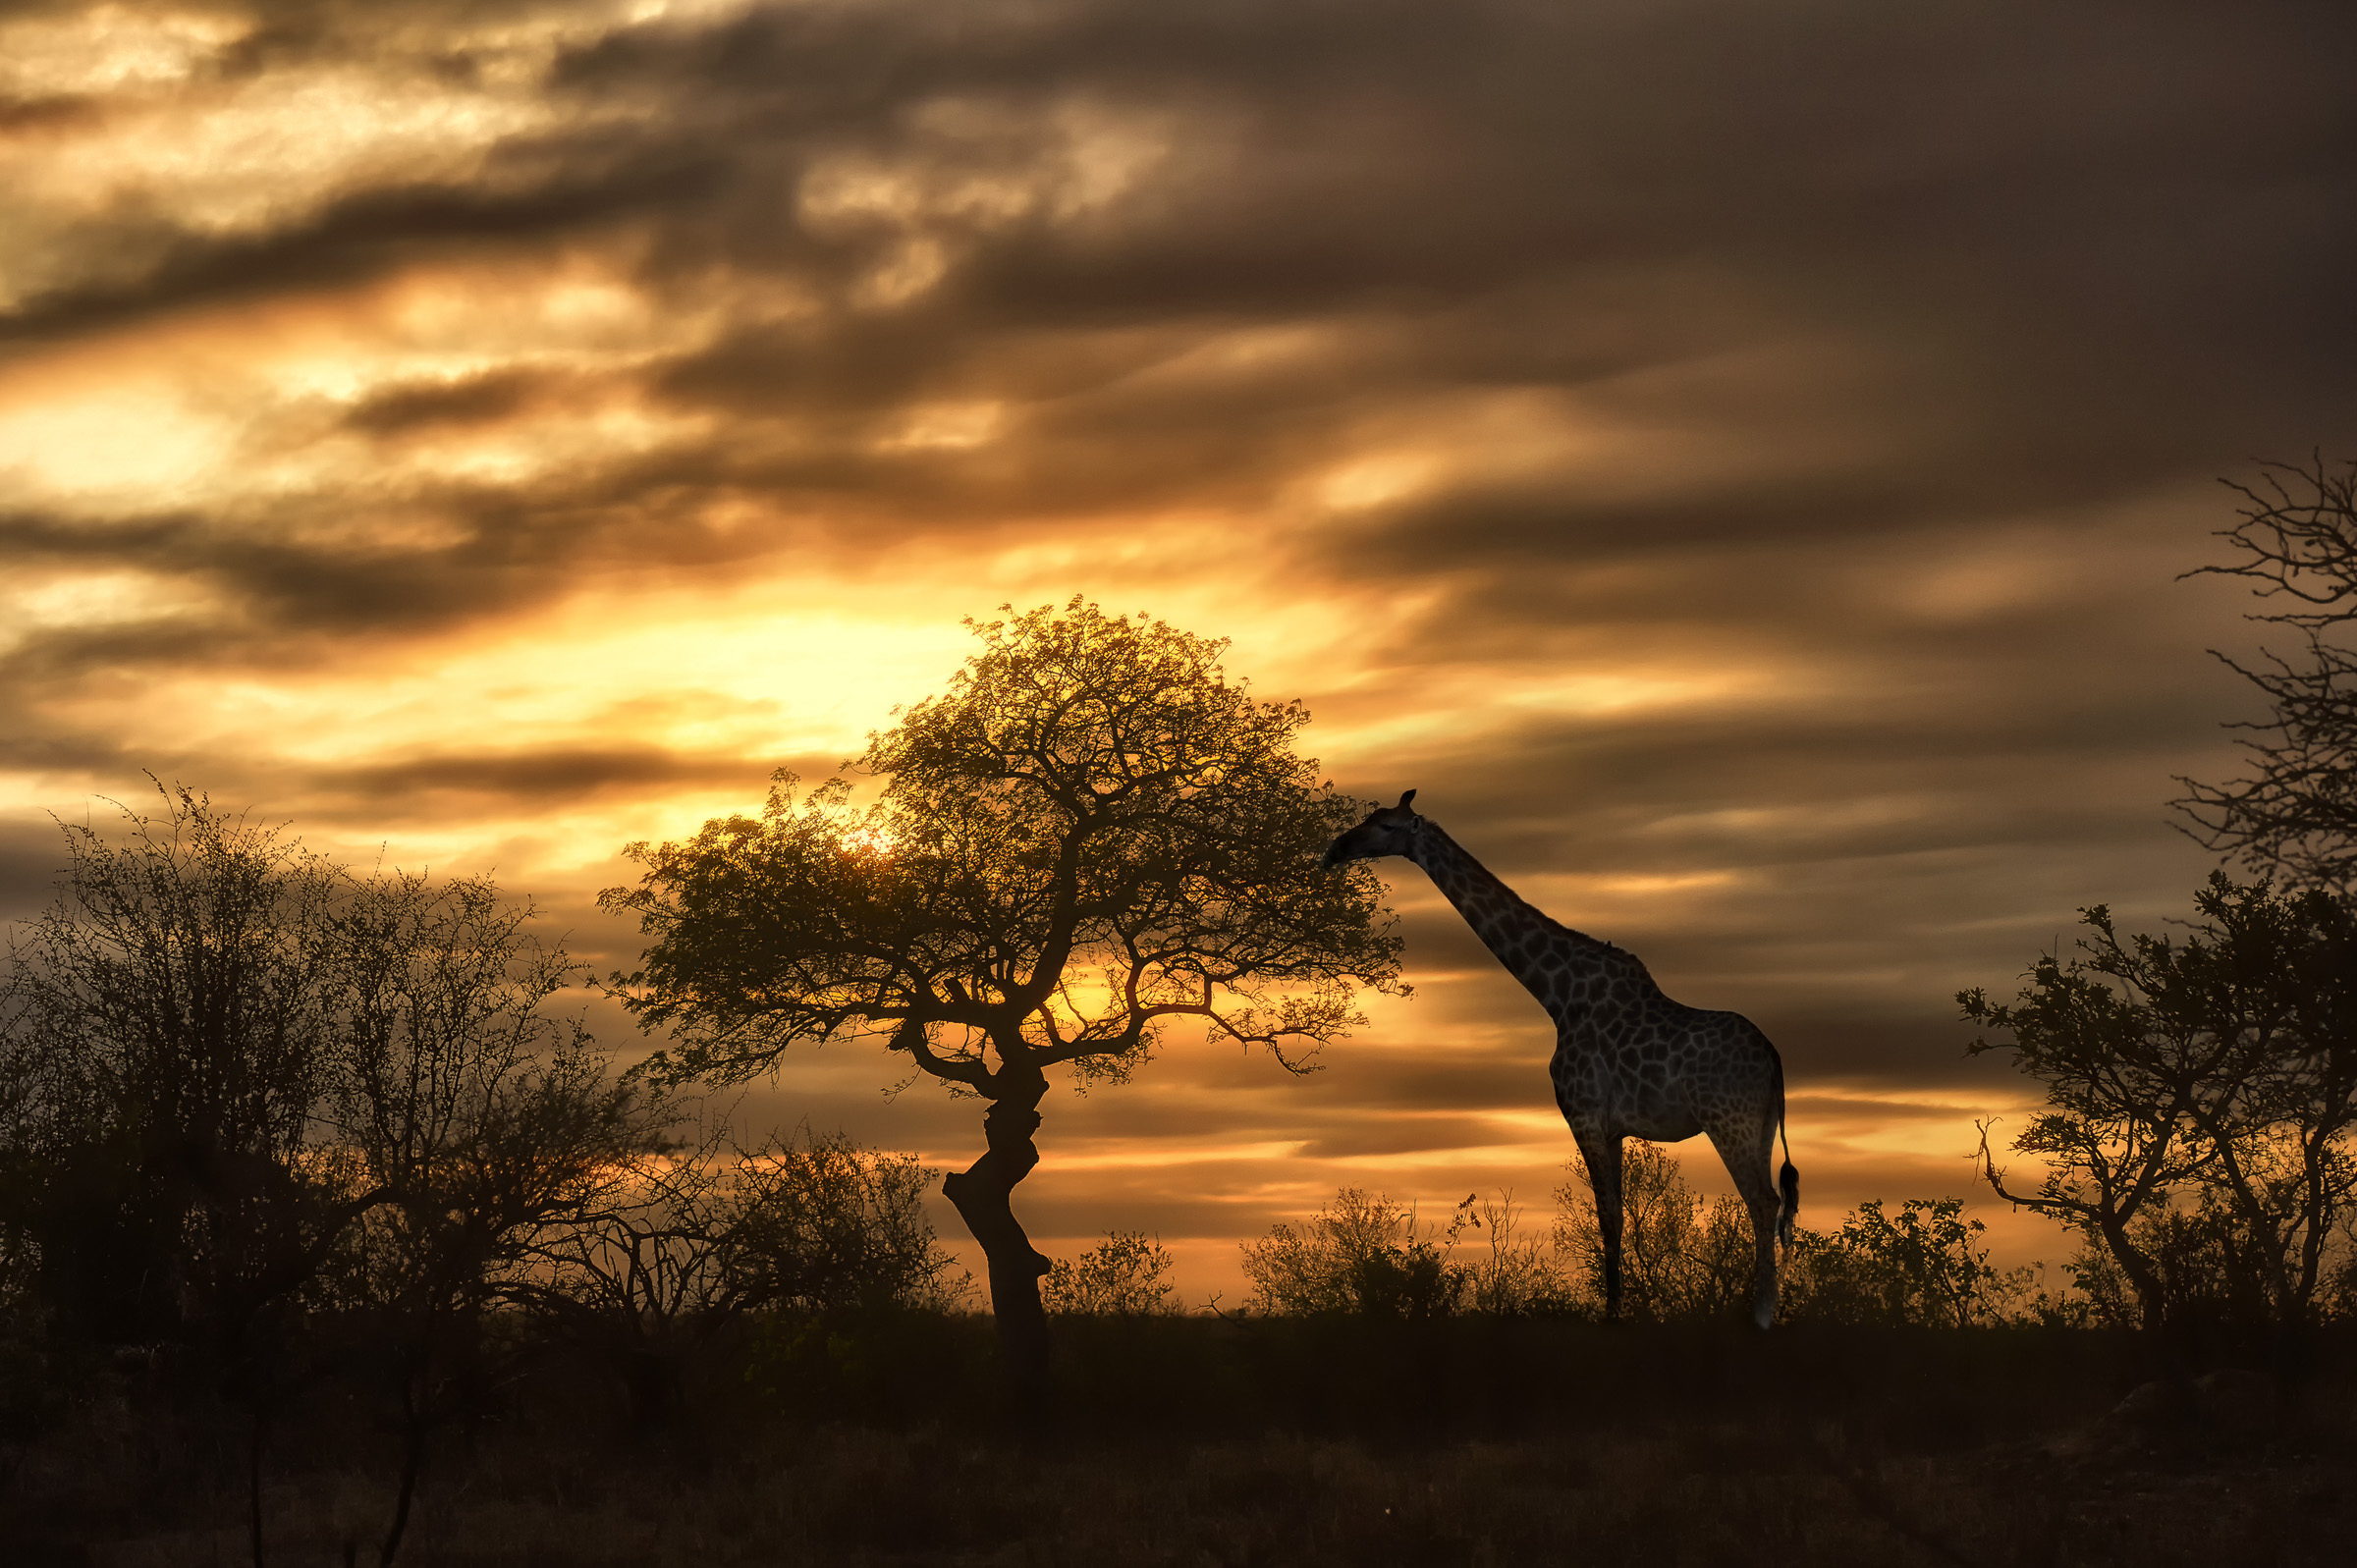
1195,1444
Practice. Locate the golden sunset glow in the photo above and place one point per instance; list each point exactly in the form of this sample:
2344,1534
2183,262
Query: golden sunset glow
482,439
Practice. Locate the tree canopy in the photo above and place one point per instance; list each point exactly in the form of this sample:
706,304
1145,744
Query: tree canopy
1090,835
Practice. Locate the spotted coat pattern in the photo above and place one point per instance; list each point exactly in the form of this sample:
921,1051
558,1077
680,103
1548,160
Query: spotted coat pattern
1628,1060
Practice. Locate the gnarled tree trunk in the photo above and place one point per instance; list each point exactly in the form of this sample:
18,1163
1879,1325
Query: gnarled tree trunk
982,1194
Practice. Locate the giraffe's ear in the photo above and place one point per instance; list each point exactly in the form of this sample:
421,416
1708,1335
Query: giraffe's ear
1404,801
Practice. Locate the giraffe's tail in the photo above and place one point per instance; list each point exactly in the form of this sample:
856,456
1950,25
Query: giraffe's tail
1788,1182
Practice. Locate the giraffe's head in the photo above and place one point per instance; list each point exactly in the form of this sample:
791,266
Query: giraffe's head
1389,830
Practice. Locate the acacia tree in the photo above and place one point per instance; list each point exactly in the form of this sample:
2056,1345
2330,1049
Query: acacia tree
2296,813
1092,834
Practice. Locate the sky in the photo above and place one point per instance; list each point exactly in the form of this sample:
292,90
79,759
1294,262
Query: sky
1737,463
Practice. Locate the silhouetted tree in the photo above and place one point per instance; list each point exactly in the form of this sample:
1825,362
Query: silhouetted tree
825,1228
646,1281
170,1026
2295,816
486,1121
689,1240
1090,837
2221,1064
237,1083
1516,1278
2203,1258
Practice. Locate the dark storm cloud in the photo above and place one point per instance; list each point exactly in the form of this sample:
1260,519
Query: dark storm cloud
2076,257
289,592
363,237
562,773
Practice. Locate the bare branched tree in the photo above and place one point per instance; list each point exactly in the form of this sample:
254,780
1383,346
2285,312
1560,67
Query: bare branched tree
237,1083
2295,815
692,1239
489,1121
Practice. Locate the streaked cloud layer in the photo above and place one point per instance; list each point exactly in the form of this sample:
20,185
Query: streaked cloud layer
1733,460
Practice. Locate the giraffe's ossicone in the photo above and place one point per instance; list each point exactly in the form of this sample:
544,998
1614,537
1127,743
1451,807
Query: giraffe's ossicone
1628,1061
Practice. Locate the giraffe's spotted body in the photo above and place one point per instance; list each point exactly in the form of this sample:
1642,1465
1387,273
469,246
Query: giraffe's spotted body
1628,1061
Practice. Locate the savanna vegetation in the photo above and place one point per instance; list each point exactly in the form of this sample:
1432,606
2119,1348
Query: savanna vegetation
278,1140
328,1235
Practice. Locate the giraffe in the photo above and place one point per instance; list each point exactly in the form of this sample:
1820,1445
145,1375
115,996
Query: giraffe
1628,1061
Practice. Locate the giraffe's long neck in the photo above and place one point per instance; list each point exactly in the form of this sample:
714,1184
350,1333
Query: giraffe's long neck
1535,950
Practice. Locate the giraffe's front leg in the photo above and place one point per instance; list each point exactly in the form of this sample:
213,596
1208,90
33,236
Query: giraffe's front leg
1602,1152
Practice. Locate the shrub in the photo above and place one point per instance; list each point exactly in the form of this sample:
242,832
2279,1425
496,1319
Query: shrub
1923,1268
1361,1254
1683,1257
1127,1275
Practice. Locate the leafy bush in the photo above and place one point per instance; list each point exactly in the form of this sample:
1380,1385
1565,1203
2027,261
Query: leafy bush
2202,1262
1923,1268
1127,1274
1683,1257
1361,1254
823,1225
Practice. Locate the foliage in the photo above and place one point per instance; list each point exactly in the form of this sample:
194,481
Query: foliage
2295,816
168,1032
1687,1259
240,1085
1127,1274
1361,1254
2209,1268
269,1129
2221,1063
484,1121
1681,1257
1091,835
1364,1255
1924,1268
825,1226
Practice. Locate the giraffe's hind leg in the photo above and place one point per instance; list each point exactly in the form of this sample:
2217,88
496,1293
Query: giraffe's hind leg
1602,1153
1747,1148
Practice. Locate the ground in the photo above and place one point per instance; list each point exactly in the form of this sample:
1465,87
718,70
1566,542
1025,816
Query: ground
1354,1445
